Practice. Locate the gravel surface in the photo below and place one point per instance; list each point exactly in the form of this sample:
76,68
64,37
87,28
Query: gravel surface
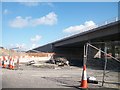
59,77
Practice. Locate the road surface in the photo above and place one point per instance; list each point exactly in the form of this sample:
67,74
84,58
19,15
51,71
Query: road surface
67,77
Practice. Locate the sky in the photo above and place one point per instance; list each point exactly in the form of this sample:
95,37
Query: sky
31,24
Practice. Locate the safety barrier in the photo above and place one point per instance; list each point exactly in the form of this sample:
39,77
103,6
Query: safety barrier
7,62
12,62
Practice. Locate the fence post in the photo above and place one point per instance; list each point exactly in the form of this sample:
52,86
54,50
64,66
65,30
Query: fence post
85,53
103,80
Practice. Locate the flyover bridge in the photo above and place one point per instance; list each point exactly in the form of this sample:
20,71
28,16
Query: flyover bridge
72,47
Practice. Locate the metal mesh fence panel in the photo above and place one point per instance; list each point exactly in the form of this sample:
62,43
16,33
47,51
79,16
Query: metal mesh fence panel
102,66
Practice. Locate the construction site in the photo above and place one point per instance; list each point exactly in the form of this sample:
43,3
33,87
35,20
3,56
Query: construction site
93,65
51,45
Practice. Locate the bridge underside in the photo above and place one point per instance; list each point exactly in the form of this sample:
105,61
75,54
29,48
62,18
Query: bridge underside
73,47
75,52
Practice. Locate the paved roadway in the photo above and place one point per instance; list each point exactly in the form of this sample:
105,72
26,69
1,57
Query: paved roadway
67,77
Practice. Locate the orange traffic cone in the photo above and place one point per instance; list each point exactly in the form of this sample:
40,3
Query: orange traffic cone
10,63
0,62
84,78
4,62
13,65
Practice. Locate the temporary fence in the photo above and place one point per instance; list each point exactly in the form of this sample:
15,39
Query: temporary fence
103,62
11,58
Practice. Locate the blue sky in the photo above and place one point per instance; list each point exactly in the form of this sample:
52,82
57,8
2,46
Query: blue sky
29,25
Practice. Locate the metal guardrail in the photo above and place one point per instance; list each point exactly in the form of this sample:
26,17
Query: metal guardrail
111,20
114,19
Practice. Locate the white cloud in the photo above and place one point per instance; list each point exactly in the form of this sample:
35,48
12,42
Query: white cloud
49,19
80,28
20,22
30,4
36,38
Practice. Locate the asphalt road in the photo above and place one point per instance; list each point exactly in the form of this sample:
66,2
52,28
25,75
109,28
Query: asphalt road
65,78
